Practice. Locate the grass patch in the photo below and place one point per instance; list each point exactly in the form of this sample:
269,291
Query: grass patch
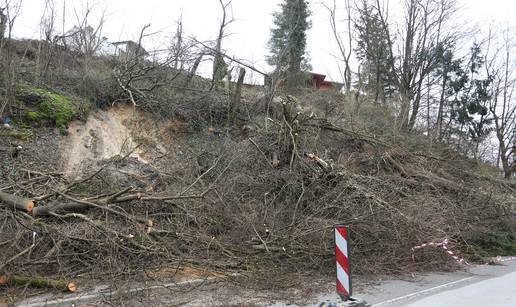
24,135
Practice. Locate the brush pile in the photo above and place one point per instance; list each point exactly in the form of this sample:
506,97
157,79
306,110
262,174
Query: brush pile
260,199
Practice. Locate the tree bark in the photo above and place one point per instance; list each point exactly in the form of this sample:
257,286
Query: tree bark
193,70
3,24
439,126
415,108
58,208
19,203
405,108
37,282
235,100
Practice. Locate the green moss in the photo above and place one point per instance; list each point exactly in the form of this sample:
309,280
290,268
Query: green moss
33,116
59,109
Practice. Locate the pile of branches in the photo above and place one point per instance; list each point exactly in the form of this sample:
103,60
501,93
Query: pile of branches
108,224
262,201
291,183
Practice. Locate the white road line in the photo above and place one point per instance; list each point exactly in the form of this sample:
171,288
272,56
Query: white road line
421,292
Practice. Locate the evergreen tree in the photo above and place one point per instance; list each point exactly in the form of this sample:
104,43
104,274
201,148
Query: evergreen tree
372,52
467,97
288,39
451,76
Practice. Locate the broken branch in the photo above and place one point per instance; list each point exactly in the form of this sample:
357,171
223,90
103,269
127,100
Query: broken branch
37,282
17,202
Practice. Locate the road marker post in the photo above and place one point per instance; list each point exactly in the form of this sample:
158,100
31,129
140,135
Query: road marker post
343,263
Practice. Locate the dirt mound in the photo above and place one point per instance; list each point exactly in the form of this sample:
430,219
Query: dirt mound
105,134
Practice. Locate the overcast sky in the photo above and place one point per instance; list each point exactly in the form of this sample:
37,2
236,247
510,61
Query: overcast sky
249,33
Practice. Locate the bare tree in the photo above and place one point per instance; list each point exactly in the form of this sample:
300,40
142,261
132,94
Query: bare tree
3,23
48,21
500,66
193,70
140,79
86,36
219,65
422,31
178,47
47,44
9,13
345,51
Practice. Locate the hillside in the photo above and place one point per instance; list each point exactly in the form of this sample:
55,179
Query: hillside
127,191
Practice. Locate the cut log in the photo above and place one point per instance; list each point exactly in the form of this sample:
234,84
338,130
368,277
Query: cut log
127,198
82,205
275,160
320,162
58,208
17,202
37,282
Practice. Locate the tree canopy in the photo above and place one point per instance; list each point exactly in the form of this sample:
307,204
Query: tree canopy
288,38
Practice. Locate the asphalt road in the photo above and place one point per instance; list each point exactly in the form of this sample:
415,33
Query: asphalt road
493,292
483,285
480,285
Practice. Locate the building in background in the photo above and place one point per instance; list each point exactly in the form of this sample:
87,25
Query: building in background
313,80
317,81
129,49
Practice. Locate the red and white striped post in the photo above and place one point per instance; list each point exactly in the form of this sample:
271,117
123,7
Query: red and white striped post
343,262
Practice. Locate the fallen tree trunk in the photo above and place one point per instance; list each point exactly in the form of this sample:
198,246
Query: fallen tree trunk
17,202
81,205
58,208
37,282
142,197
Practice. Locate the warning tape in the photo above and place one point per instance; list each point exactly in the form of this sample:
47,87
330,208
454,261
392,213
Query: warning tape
444,244
503,259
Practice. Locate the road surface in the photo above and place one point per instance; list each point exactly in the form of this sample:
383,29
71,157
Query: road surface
482,286
500,291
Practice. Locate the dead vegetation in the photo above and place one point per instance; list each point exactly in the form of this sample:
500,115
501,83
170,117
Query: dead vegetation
261,201
252,186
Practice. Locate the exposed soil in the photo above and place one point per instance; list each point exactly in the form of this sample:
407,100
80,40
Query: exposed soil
105,134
